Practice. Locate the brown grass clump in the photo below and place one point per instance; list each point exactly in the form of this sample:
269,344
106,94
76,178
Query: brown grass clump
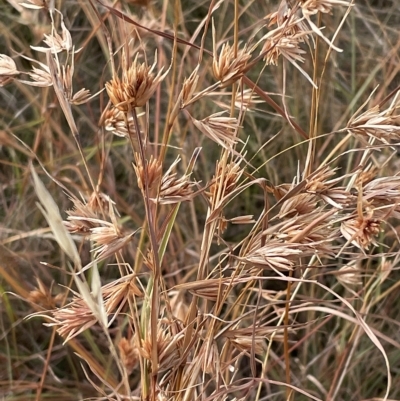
215,217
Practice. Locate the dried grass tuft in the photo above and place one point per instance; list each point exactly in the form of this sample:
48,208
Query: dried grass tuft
224,257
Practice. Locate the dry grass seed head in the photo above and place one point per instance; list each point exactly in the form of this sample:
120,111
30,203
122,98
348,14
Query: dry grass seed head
108,239
211,289
365,176
148,260
82,96
323,185
225,180
72,319
247,219
350,274
57,43
77,316
85,215
286,19
114,121
281,16
168,346
278,43
298,204
383,126
319,181
313,229
173,189
154,171
249,344
189,87
101,203
136,87
337,197
286,38
283,245
230,64
275,255
220,129
8,69
361,230
129,354
383,195
40,77
311,7
117,293
42,296
383,191
228,67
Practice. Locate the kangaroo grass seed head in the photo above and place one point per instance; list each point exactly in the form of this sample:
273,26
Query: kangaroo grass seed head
86,215
119,292
311,7
229,65
136,87
382,125
8,69
284,43
72,319
220,129
299,204
188,88
57,43
129,354
383,191
287,17
275,256
116,122
350,274
362,230
169,346
173,189
42,295
225,180
154,172
40,77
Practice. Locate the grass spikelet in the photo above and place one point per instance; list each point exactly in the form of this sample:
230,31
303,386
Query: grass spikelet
136,87
220,129
8,69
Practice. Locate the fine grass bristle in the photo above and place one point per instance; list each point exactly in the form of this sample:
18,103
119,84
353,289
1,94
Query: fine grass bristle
199,200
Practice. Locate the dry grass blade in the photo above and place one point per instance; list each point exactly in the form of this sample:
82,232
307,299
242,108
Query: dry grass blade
52,214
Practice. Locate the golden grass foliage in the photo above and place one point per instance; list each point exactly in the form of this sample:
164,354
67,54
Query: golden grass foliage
216,217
